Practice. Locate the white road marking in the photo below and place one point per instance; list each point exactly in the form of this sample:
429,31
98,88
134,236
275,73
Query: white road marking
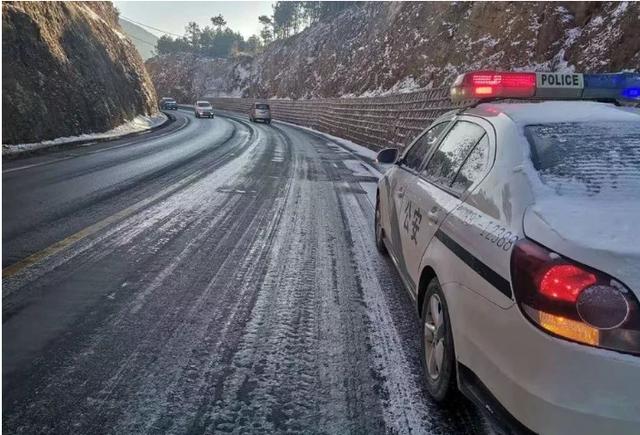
48,162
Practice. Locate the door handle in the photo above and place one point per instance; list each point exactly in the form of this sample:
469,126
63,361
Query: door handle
432,215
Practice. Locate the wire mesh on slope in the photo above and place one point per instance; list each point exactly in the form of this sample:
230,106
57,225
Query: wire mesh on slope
376,122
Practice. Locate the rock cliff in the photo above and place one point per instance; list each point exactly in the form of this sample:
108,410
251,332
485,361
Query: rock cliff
67,70
389,47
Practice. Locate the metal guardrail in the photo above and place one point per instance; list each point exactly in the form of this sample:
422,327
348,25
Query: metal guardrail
376,122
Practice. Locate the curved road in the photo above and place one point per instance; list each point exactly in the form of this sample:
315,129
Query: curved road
213,276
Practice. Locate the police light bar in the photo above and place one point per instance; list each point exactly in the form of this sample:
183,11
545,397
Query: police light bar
483,85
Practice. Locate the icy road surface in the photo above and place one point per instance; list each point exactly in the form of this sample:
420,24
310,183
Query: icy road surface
217,277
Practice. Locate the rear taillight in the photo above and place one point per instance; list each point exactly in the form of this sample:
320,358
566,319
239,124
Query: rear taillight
573,301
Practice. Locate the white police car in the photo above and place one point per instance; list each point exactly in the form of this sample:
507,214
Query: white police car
514,226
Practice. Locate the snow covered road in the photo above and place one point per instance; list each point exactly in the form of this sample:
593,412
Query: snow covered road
231,286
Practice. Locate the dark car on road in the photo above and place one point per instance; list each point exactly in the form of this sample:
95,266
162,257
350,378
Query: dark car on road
167,103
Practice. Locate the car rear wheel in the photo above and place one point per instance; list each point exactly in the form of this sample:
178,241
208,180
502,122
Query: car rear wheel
379,230
438,356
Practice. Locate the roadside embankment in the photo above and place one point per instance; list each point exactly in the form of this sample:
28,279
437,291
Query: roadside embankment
140,124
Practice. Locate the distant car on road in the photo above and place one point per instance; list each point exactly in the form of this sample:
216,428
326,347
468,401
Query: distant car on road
203,109
260,112
168,103
514,228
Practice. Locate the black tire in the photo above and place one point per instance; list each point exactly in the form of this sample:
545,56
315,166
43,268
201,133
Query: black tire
440,381
378,231
197,116
268,121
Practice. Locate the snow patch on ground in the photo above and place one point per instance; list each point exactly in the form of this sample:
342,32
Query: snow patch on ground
405,406
361,169
364,153
358,168
138,124
352,146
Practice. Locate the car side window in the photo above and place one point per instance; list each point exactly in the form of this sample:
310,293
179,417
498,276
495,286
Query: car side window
474,167
415,156
452,153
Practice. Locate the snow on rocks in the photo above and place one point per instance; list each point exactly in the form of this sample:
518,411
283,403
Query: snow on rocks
136,125
391,48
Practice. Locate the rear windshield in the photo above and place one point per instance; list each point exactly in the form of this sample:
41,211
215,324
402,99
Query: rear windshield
169,101
262,106
203,104
588,158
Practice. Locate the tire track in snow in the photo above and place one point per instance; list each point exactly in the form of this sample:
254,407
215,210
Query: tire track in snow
189,324
253,301
276,381
154,224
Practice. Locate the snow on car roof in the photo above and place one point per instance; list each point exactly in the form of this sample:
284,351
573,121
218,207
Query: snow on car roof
559,111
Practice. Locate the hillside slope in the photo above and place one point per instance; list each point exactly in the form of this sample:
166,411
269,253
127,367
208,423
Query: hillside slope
144,41
390,47
188,77
67,70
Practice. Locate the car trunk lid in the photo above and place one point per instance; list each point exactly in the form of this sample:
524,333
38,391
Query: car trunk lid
600,234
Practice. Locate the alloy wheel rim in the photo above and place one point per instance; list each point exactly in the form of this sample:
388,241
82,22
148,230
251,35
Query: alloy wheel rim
434,330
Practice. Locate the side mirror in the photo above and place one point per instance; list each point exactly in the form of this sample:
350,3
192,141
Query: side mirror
387,155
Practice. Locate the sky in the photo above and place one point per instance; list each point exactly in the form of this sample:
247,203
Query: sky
173,16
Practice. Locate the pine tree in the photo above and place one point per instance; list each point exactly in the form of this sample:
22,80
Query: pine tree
219,22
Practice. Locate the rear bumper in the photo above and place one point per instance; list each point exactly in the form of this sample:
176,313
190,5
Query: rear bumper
262,115
550,385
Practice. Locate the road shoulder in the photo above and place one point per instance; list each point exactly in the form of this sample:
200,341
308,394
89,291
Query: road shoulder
14,152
